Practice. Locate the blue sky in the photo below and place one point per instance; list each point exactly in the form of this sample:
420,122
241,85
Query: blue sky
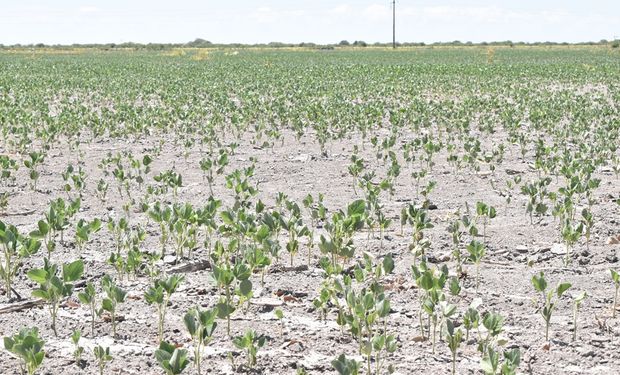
321,21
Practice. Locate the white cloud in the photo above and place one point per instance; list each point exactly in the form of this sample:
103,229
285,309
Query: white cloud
89,9
341,9
377,12
265,15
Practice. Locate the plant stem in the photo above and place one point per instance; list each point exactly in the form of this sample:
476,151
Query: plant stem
575,323
615,300
454,363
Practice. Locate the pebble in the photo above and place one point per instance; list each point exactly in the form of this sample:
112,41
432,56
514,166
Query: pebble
558,249
612,257
521,249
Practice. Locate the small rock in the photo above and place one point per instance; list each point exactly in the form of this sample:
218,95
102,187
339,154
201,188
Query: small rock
521,249
266,301
584,261
302,158
613,240
512,172
612,257
558,249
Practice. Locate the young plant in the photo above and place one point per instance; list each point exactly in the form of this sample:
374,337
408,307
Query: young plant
549,303
232,280
340,229
115,296
345,366
491,364
15,248
172,359
280,317
587,221
162,216
476,252
103,356
84,230
471,320
102,190
433,300
28,347
453,338
89,297
214,164
570,235
36,159
77,349
250,342
419,220
295,228
577,301
200,324
487,213
53,288
159,294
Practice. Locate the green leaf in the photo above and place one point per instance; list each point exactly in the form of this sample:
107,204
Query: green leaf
107,305
357,208
563,287
73,271
39,276
39,293
245,288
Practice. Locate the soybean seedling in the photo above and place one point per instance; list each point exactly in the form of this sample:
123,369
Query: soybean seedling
570,235
84,230
89,297
159,294
54,288
487,213
491,364
345,366
115,296
28,347
280,316
471,320
615,277
494,324
476,253
15,248
250,342
172,359
577,300
103,356
78,350
200,324
540,284
36,158
453,338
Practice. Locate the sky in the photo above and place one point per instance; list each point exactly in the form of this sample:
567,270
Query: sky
296,21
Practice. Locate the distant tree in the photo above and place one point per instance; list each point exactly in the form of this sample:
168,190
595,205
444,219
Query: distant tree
198,42
360,43
344,43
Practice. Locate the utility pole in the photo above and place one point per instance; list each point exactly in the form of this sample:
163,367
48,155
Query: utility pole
394,24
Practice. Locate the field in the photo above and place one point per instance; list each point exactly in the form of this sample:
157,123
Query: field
430,210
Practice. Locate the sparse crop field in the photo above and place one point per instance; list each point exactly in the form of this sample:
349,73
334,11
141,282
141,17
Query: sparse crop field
261,211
